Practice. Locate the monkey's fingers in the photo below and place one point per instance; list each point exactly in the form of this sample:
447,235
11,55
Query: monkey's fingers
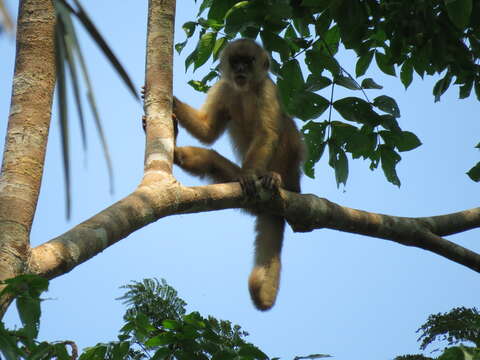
142,92
144,123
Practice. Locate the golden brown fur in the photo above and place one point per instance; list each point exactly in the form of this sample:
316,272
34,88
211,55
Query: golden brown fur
245,102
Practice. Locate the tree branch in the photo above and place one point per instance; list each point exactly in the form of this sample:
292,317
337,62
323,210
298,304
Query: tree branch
304,212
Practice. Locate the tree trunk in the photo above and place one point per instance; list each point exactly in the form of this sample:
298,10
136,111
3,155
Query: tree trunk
27,134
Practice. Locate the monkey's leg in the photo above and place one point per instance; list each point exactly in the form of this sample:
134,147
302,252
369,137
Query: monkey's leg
265,277
205,162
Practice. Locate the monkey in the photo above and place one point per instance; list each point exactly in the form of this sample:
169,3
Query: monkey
245,103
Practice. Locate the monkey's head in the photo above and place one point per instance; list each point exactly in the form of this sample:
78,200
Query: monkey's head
244,63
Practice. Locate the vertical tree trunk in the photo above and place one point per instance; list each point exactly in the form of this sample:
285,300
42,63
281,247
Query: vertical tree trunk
158,91
27,134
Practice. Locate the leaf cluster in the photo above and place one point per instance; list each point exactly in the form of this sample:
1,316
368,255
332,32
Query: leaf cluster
458,326
22,343
292,30
156,327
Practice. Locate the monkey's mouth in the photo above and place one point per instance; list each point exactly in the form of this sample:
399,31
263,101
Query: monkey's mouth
240,80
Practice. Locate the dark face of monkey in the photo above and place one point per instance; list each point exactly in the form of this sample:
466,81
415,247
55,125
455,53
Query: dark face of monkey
244,63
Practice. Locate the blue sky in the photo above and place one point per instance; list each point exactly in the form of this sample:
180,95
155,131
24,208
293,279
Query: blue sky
343,294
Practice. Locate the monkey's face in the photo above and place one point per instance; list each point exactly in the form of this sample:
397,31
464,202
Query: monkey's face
242,67
244,64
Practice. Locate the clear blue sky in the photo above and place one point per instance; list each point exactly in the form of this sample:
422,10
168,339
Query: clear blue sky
342,294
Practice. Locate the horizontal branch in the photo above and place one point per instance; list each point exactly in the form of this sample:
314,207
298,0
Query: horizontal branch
304,212
308,212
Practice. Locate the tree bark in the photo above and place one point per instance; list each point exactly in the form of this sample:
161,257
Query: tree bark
27,133
158,92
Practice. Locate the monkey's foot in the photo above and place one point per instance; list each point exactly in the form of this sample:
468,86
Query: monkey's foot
270,180
247,182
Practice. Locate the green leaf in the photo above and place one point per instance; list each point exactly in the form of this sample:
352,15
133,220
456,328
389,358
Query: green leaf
403,140
361,144
406,74
219,9
346,82
317,82
250,32
39,352
171,324
199,85
322,4
61,352
203,6
252,352
474,173
389,122
8,345
387,104
408,141
363,63
218,47
465,89
29,311
317,61
339,162
190,59
389,159
441,86
179,46
273,42
290,82
165,338
307,105
459,12
239,17
204,48
477,88
342,132
331,40
384,64
356,109
369,83
314,135
322,23
163,353
189,28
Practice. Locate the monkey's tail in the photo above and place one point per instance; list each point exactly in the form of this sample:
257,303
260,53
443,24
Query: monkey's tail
265,277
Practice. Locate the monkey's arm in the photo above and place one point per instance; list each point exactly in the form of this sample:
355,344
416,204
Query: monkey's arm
208,123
